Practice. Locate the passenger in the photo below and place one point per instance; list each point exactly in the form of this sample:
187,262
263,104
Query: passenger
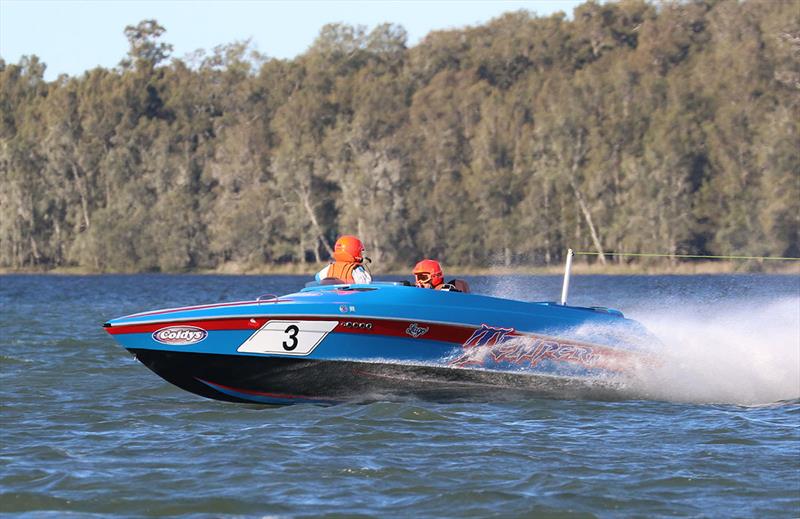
348,262
428,274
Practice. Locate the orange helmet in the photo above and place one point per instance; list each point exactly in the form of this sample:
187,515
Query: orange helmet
428,271
348,249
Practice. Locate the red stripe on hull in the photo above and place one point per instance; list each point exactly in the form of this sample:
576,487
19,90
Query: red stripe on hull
207,324
384,327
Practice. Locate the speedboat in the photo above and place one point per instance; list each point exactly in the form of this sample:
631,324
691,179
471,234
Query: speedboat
344,342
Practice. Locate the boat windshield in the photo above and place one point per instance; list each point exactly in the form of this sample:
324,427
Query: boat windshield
338,282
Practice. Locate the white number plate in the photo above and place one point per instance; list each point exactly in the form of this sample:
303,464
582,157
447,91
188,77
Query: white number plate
288,337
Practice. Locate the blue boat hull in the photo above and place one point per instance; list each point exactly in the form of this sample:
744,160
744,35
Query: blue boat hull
366,342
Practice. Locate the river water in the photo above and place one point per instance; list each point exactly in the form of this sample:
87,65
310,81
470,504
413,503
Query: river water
86,430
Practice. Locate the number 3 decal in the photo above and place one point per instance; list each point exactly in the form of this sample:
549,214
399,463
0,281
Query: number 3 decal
292,330
287,337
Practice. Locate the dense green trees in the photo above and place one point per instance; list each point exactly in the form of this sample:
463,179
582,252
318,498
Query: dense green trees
634,127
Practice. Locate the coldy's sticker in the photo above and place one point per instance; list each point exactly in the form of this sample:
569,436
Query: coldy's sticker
179,335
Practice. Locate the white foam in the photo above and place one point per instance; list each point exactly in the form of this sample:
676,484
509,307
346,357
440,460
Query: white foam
735,353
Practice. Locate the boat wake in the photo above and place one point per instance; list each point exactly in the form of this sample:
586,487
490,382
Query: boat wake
745,355
742,351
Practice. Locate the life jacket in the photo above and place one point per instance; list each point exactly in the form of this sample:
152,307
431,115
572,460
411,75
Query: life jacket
454,285
342,270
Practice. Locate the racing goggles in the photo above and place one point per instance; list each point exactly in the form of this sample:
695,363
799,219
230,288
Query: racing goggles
423,277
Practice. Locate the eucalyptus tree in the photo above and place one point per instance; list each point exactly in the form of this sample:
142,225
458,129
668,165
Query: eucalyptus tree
22,92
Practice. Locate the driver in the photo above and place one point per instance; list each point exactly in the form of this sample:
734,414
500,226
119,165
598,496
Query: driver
428,274
348,262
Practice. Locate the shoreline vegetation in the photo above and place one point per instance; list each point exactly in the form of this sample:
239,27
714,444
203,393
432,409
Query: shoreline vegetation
634,126
578,268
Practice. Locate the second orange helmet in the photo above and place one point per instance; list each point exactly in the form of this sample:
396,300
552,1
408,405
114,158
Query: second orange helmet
432,268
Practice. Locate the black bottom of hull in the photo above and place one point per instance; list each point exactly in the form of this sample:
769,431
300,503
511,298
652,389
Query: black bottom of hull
278,380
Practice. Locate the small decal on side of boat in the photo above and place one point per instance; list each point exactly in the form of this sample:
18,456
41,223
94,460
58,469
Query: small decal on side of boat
416,330
179,335
350,324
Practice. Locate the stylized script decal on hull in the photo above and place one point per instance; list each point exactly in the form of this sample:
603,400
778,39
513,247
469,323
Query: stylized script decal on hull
179,335
495,347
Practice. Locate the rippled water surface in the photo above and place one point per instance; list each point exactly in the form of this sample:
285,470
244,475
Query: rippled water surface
85,429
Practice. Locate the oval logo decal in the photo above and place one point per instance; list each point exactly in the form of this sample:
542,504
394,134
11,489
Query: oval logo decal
180,335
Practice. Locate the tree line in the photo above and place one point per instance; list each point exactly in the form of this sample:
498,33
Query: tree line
632,127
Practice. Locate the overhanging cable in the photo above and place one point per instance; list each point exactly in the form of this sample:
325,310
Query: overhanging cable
696,256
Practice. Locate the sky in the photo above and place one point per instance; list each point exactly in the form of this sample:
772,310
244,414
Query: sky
72,36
